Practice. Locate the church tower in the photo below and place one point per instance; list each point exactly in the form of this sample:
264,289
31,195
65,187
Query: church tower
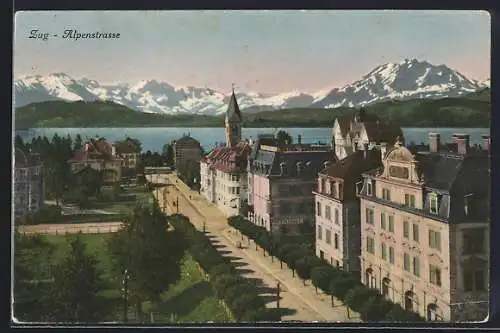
233,122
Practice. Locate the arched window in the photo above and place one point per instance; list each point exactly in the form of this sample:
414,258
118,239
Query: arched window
370,279
432,310
409,300
386,282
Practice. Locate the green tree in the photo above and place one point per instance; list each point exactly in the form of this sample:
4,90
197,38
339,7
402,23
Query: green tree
168,153
75,292
78,144
284,138
151,254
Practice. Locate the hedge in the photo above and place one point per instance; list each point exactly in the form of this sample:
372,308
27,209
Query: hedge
240,295
298,253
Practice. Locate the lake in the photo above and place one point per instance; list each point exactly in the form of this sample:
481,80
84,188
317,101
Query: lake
153,138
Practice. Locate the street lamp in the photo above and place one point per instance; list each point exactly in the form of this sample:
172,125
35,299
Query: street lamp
278,295
126,278
204,226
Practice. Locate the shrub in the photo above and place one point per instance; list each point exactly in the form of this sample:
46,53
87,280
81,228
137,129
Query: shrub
356,297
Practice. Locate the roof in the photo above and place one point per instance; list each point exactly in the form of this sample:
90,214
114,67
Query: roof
354,165
127,146
186,139
95,150
229,159
382,132
344,124
233,110
297,163
23,159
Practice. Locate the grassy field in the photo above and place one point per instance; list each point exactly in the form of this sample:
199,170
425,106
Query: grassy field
191,300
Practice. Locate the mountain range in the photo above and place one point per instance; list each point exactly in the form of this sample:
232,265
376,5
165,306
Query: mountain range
408,79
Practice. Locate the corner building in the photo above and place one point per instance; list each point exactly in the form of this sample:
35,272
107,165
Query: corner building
425,220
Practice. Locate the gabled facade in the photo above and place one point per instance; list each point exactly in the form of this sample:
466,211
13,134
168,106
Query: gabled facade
186,150
100,155
350,134
338,229
425,220
282,180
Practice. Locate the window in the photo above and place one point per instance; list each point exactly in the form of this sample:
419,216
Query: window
336,216
416,266
410,200
385,287
386,194
328,236
473,240
383,249
391,255
369,187
474,280
341,190
435,275
435,240
382,221
415,233
336,241
433,200
370,245
369,216
328,212
320,236
391,223
333,189
406,229
406,262
318,208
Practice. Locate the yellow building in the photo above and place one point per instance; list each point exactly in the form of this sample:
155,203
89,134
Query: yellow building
425,220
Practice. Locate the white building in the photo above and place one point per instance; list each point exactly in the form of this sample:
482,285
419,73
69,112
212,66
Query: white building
223,170
28,184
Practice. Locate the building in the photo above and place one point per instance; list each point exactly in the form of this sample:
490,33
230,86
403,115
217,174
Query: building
28,183
338,228
100,155
351,133
223,170
425,219
186,150
129,151
282,178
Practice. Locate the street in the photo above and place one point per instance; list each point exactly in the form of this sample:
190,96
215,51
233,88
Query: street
298,302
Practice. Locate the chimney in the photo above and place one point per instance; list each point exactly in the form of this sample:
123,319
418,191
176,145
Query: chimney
462,143
299,139
486,143
383,149
434,142
113,150
86,147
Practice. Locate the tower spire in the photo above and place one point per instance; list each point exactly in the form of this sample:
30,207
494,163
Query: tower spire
232,86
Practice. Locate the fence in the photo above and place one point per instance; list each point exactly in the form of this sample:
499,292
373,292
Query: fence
68,229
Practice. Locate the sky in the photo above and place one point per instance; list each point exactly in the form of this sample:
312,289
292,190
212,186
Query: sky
259,51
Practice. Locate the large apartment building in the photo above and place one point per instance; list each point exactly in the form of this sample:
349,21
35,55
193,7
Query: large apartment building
338,229
425,219
28,183
223,170
281,178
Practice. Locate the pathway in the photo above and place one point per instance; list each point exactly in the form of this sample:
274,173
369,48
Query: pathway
64,229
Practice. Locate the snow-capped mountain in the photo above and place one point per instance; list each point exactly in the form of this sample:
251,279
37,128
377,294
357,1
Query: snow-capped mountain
404,80
485,83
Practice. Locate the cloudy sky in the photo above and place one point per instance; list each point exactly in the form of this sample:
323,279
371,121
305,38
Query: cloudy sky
265,51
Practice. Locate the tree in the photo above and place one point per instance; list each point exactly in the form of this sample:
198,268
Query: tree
77,284
284,138
78,144
168,153
151,253
304,266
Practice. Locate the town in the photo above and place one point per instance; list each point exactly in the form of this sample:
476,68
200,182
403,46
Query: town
365,228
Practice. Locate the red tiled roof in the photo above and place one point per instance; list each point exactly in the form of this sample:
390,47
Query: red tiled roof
222,158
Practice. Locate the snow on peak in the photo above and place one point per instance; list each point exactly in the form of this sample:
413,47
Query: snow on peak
409,78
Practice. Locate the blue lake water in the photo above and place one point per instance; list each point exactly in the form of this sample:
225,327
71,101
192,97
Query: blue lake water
153,138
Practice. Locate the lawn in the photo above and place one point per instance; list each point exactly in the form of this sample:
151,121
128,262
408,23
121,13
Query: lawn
191,300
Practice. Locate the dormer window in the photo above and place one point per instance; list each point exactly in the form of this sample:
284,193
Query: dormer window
333,189
386,194
369,187
433,201
283,168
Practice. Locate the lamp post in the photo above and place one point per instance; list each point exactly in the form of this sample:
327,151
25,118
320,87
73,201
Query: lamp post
204,226
126,278
278,295
177,204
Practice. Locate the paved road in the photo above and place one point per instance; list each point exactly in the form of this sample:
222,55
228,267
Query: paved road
298,302
62,229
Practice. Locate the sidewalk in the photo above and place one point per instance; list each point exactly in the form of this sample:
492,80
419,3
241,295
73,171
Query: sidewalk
305,296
